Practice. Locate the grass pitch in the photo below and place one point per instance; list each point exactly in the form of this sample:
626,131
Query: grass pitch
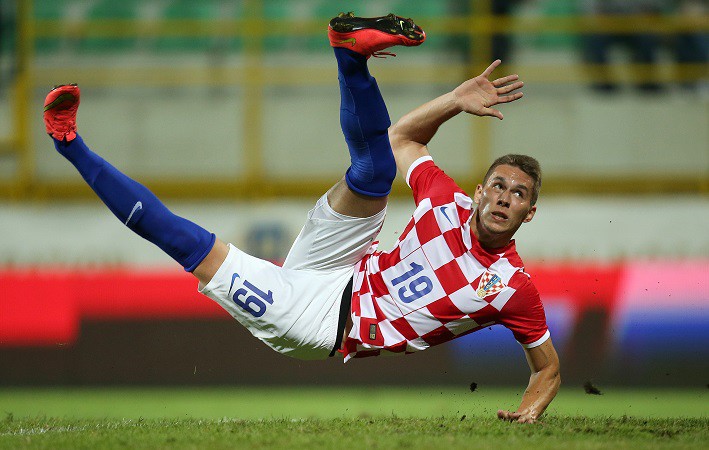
409,418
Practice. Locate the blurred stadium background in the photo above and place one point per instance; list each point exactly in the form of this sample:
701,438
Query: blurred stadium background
228,110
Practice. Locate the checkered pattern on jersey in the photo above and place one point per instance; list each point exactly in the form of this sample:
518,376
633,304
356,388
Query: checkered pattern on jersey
436,284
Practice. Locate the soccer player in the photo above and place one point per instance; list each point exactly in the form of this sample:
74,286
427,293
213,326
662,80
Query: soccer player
453,271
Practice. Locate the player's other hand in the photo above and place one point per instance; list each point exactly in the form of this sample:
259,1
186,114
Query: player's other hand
515,417
478,95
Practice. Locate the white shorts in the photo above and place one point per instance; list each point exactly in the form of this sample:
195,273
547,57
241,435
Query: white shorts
295,309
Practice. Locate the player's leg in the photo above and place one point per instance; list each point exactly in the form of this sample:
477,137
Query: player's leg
131,202
363,113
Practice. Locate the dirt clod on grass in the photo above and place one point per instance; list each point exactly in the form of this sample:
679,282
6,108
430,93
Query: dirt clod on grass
591,389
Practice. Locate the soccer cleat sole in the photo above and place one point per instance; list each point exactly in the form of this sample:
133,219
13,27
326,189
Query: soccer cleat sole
390,24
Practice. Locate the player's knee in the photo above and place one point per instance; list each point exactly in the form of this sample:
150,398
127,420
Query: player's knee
386,170
373,179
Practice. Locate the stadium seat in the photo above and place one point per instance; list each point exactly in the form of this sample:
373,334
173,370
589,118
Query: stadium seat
305,10
278,10
49,10
205,10
556,8
112,10
324,11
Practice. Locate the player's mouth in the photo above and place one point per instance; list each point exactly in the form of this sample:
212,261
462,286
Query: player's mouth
499,216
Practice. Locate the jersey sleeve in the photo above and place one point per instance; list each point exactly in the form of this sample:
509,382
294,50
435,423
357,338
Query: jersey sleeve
524,315
428,181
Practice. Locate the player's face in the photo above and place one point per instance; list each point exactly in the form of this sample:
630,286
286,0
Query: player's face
504,201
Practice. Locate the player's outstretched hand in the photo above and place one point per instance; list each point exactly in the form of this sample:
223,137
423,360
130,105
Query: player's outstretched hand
515,417
478,95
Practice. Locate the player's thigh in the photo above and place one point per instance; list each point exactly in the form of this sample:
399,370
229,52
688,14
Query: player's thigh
295,312
210,264
331,241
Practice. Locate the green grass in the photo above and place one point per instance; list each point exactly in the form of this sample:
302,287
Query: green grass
345,418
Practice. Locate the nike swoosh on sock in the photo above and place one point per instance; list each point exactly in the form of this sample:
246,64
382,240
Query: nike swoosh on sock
137,207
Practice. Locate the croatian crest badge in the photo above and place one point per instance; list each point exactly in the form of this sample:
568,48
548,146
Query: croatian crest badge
489,284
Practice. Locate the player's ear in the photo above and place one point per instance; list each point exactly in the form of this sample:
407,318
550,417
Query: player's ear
530,214
478,193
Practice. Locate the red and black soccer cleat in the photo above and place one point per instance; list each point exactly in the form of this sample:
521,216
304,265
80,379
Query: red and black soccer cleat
368,36
60,108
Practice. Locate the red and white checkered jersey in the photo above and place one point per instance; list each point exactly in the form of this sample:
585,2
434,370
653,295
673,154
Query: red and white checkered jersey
438,283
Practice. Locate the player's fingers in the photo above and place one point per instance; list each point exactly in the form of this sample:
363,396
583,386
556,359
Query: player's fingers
510,98
491,67
510,87
507,415
504,80
492,113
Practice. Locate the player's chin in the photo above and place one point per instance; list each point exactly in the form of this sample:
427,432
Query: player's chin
497,226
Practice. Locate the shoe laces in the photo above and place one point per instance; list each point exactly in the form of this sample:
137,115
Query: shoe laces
383,54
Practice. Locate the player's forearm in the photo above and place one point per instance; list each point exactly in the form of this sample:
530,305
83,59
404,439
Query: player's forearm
543,387
421,124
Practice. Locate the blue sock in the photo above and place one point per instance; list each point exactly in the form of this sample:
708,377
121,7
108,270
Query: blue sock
138,208
365,122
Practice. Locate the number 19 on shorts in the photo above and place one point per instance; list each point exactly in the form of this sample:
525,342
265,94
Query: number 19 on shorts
252,299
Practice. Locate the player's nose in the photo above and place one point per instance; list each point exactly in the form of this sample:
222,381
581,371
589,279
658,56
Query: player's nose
504,199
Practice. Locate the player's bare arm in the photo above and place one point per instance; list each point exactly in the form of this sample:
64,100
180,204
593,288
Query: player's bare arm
410,136
543,384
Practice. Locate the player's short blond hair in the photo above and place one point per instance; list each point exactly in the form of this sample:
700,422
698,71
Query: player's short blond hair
527,164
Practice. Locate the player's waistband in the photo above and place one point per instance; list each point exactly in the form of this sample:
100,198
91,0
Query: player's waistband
345,305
